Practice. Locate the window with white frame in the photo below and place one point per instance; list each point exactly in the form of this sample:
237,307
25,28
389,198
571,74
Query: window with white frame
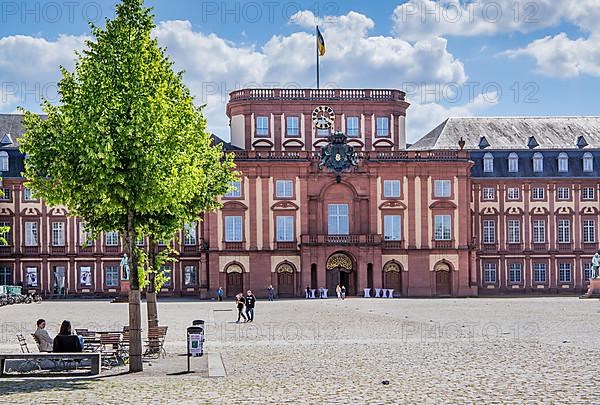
6,276
262,126
233,228
488,163
352,128
85,236
564,231
392,227
513,193
587,270
588,162
27,194
284,188
236,189
3,161
513,163
587,193
563,193
139,240
488,193
538,162
190,276
539,272
514,231
443,229
111,276
6,235
391,188
489,231
58,233
589,231
537,193
489,273
161,242
564,272
190,232
5,195
111,238
383,126
31,233
563,162
539,231
442,188
293,127
337,219
167,271
285,228
515,273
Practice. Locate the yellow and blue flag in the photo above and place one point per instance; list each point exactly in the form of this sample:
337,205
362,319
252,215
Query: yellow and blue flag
320,42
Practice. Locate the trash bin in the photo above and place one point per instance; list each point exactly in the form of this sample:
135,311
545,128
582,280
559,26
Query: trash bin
195,340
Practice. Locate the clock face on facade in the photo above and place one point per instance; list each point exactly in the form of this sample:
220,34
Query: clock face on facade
323,117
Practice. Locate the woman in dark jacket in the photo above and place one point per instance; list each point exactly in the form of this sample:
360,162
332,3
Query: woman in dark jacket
239,301
65,341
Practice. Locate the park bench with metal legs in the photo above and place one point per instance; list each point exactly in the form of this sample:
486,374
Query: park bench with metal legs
112,349
37,358
155,342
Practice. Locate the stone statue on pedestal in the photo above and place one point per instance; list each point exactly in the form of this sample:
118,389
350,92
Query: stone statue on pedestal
596,265
125,267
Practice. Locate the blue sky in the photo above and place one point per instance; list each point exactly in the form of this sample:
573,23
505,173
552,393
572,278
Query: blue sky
491,58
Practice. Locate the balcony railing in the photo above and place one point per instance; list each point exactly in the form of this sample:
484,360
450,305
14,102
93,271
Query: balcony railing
565,247
374,156
317,94
112,249
31,250
590,246
190,248
58,250
287,245
234,245
393,244
6,250
442,244
86,250
540,247
341,240
489,247
514,247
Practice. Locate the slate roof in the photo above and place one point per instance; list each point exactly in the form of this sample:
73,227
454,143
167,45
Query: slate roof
11,124
512,133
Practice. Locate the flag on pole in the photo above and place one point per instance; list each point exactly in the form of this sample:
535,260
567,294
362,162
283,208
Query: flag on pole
320,42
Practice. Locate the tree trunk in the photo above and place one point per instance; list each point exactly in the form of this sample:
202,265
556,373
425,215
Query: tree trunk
135,321
151,294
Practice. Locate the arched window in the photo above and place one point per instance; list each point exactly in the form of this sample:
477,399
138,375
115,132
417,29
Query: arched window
488,163
563,162
3,161
513,162
538,162
588,162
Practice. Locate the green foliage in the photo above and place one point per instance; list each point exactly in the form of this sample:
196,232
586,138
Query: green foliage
167,255
126,138
3,230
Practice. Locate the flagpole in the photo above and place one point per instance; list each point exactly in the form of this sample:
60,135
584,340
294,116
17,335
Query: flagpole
318,57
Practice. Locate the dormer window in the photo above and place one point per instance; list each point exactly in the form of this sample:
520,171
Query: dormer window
262,126
588,162
3,161
513,163
6,140
538,162
488,163
563,162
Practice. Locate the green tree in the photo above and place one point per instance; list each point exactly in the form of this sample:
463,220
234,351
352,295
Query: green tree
125,146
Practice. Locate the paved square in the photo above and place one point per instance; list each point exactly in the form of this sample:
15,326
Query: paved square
481,350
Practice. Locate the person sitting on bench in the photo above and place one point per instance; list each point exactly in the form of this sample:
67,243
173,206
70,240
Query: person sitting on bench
65,341
44,339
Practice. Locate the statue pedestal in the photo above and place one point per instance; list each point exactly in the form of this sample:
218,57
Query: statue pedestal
594,289
125,287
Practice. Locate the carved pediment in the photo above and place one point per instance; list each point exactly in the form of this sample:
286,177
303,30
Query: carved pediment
57,211
539,211
564,211
262,143
293,143
31,212
284,205
234,205
319,143
589,211
514,211
489,211
355,142
6,211
443,204
393,204
383,143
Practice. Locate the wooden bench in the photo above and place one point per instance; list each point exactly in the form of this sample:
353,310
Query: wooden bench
95,359
155,341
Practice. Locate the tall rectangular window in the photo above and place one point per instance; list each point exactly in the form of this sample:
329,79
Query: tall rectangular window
443,230
233,229
488,193
564,272
537,193
383,126
262,126
562,193
5,195
442,188
58,233
589,231
489,273
352,127
31,234
489,231
337,219
285,229
6,276
6,235
539,231
564,231
111,276
189,231
139,240
85,237
111,238
514,273
236,189
392,227
391,188
27,194
587,193
293,128
514,231
190,276
587,271
539,272
513,193
284,188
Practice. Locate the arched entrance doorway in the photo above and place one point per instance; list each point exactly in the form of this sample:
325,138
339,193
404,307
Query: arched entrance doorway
340,270
234,282
285,280
443,281
392,277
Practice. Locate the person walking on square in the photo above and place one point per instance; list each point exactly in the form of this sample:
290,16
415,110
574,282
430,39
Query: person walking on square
250,301
308,294
270,292
220,293
343,292
239,302
338,291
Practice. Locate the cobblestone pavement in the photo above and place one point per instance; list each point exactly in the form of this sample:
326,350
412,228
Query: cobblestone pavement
484,350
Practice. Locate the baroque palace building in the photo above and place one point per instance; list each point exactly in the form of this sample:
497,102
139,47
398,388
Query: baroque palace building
330,194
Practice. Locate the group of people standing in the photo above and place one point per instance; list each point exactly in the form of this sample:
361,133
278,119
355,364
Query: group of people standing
247,301
341,292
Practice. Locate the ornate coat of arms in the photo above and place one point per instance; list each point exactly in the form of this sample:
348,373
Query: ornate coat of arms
338,155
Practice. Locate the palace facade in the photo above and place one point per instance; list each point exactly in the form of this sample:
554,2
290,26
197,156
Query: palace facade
330,194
